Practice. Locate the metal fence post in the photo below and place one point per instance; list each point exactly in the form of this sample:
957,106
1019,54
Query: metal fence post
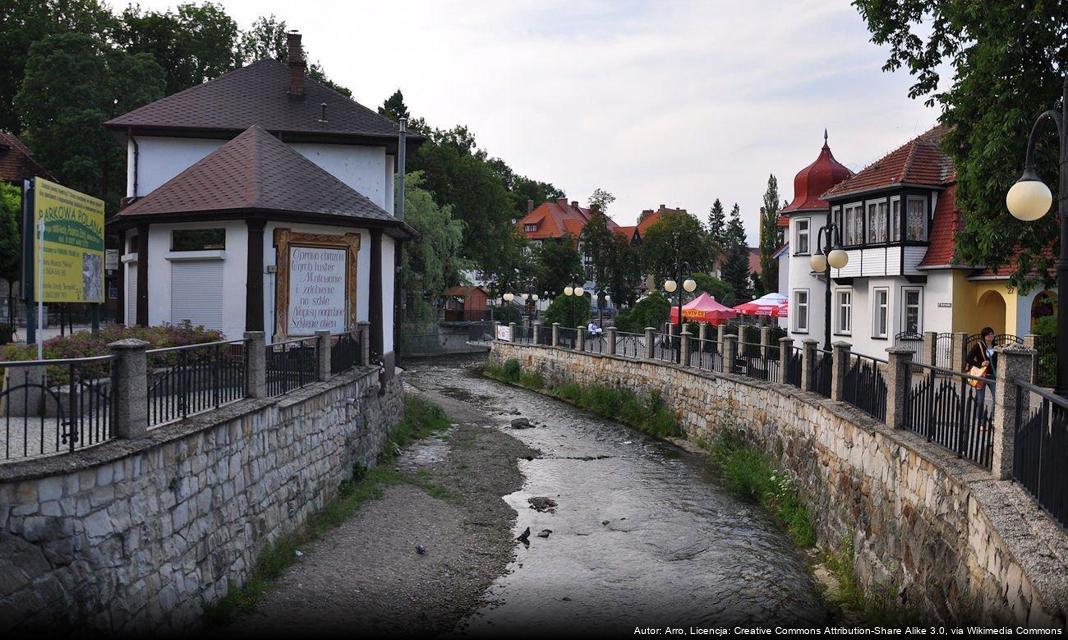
786,351
765,341
898,381
556,334
730,353
956,351
1031,342
130,390
323,346
610,332
650,343
684,348
839,369
928,352
808,364
255,364
580,339
1014,361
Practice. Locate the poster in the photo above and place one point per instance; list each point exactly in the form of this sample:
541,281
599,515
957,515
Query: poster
73,250
316,290
504,332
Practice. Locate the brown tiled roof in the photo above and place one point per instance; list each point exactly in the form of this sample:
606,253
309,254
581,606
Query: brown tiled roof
947,223
649,217
919,161
257,94
256,172
557,218
16,161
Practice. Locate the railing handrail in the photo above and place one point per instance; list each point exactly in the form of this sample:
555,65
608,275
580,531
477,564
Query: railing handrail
951,373
292,340
861,356
185,347
1042,393
55,362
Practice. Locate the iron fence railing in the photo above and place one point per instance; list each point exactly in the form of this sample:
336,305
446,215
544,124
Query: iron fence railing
793,367
865,385
953,410
822,372
183,381
567,337
344,352
752,362
664,346
630,345
596,343
1040,450
55,406
291,364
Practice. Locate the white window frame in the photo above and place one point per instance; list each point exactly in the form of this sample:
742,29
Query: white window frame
843,328
894,230
880,310
926,219
796,311
905,309
807,234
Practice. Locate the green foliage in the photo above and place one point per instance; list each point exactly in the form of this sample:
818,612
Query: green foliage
624,271
1007,62
511,370
569,311
717,225
557,264
1045,330
598,242
651,311
10,238
735,269
267,39
715,287
878,607
676,237
768,280
432,260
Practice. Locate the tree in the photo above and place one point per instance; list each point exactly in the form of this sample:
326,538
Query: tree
651,311
74,82
717,225
394,108
769,238
624,271
192,45
10,241
735,269
430,262
1008,62
557,264
267,39
676,236
569,311
713,286
596,239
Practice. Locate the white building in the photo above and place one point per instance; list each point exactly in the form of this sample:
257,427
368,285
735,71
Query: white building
241,188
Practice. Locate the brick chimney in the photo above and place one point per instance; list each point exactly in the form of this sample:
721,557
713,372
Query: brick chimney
530,206
562,202
297,66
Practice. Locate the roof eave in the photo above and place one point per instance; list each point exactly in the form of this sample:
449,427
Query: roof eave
389,140
395,228
829,197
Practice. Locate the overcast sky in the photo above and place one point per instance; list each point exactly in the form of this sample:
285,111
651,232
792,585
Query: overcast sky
673,103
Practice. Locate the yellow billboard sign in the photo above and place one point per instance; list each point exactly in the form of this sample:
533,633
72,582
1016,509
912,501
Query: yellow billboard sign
73,244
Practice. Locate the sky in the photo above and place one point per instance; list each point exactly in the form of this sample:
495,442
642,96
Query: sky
667,102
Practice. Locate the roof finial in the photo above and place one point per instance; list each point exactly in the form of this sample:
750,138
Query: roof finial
825,135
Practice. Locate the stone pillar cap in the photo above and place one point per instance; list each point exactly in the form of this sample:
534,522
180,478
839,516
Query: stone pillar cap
1016,349
786,339
129,343
811,341
731,336
900,351
842,344
254,334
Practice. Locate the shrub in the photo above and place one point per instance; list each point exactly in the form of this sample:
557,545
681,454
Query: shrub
651,311
511,370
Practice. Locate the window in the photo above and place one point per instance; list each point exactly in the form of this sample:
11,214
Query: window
133,244
916,220
853,230
198,239
844,299
802,236
895,220
912,322
880,316
877,223
801,310
530,227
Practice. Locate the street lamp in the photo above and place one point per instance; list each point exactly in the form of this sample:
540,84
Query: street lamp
828,257
671,286
1030,199
570,292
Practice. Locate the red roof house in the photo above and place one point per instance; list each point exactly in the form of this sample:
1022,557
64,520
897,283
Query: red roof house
16,161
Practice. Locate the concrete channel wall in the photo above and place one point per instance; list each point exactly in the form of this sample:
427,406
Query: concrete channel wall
929,530
137,535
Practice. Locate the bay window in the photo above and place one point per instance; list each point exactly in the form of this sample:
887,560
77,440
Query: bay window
916,219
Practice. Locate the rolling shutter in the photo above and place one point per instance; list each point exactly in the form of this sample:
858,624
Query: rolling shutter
197,293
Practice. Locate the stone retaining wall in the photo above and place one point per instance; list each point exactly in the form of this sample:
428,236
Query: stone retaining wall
930,530
144,534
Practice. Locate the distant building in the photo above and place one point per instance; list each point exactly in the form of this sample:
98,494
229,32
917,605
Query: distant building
16,161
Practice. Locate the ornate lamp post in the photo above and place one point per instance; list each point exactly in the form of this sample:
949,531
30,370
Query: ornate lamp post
672,286
576,292
828,257
1030,199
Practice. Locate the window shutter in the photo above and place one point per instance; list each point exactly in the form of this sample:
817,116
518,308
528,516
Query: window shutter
197,293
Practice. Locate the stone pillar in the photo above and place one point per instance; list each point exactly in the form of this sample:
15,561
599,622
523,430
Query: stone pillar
765,341
364,329
840,352
928,354
702,331
650,343
808,364
1014,362
556,334
1031,342
323,344
610,336
684,348
580,339
786,349
956,351
730,353
496,325
898,381
721,331
256,364
536,328
130,387
511,333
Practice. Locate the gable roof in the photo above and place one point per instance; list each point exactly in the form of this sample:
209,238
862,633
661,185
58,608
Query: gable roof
16,161
557,218
257,173
649,217
257,94
919,161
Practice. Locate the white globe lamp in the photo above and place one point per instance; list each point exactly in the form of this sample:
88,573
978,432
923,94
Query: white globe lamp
818,262
838,258
1029,199
689,285
670,286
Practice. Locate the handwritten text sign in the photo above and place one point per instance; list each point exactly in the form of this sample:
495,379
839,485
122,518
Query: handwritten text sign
316,290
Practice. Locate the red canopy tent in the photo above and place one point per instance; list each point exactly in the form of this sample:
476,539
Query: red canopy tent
703,308
773,305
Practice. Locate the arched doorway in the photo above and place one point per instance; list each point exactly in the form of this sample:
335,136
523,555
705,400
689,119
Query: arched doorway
1044,305
990,312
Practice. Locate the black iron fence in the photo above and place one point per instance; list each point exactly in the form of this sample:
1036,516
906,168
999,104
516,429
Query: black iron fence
595,342
865,385
706,355
664,347
53,406
793,367
630,345
291,365
344,352
822,372
1040,453
567,337
752,361
183,381
953,410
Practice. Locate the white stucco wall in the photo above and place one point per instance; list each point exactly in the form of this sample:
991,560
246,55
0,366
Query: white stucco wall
800,277
388,284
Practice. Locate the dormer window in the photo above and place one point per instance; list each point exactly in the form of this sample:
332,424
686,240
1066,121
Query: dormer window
530,227
916,219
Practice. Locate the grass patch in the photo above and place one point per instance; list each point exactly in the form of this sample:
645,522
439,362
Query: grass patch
422,418
880,606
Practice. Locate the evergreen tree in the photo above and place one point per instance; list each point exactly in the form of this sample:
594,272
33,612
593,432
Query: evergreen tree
717,225
736,257
769,238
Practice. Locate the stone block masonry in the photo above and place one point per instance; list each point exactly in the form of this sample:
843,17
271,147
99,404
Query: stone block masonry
932,531
139,535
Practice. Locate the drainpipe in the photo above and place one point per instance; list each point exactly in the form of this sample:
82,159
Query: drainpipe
402,138
136,158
